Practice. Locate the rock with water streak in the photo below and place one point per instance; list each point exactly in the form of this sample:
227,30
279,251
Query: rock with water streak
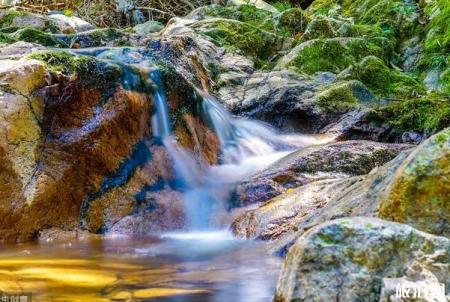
419,194
355,260
334,160
76,146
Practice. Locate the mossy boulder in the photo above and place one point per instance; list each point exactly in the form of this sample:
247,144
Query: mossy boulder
321,26
33,35
419,194
371,71
293,21
92,72
19,19
95,38
244,38
333,54
341,97
353,259
428,113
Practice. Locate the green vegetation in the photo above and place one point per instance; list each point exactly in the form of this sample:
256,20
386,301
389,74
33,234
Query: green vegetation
7,19
92,72
245,13
383,81
430,113
341,97
293,21
282,6
29,34
334,54
4,38
249,40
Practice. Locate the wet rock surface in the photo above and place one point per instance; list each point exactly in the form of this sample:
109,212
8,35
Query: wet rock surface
333,160
74,140
287,216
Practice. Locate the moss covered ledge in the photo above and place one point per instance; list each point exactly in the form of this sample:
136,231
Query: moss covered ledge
91,72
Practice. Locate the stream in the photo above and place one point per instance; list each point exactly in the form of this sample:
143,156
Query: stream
202,262
183,267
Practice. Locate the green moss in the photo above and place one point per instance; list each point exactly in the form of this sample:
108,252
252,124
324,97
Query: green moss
92,72
334,54
373,72
321,27
383,81
9,30
327,239
8,18
4,38
293,21
51,26
249,40
36,36
394,16
445,81
341,97
436,52
430,113
244,13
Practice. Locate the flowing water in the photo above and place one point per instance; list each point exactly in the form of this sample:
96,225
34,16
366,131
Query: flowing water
200,263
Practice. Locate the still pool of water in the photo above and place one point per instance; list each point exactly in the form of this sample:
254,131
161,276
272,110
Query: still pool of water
179,267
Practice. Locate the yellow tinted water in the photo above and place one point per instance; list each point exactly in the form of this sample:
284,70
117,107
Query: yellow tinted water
140,270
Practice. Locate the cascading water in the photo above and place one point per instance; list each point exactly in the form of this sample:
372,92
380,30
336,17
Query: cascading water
204,262
247,146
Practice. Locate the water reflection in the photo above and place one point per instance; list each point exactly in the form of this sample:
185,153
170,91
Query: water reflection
178,267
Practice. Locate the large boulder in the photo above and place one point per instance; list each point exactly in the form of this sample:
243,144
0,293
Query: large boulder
332,54
333,160
359,259
77,146
419,194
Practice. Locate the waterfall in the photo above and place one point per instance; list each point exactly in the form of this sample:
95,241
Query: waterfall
247,146
160,118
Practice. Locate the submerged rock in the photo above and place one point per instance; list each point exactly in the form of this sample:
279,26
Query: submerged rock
354,260
419,194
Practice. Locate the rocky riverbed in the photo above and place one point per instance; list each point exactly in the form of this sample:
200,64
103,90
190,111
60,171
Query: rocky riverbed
355,206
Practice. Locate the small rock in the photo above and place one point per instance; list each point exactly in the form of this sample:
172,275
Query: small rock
148,27
411,137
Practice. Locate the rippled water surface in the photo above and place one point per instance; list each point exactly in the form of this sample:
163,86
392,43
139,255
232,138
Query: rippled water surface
177,267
